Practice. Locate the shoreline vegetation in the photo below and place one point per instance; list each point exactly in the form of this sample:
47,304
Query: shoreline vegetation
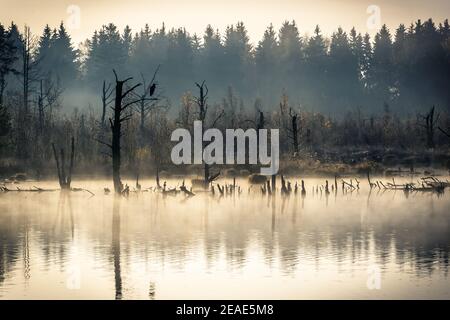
259,184
335,177
324,163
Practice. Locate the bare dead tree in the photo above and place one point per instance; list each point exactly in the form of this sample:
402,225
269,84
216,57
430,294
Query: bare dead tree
159,130
107,92
29,72
148,100
446,133
119,116
203,108
116,126
428,122
186,113
107,99
293,129
282,121
26,66
48,95
115,246
201,102
124,98
2,87
28,76
259,123
7,58
63,178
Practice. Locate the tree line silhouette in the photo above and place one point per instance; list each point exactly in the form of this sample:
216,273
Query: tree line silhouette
408,68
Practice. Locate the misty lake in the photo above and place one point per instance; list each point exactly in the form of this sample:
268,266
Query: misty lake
55,245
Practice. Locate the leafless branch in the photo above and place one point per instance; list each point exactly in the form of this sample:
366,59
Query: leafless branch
218,117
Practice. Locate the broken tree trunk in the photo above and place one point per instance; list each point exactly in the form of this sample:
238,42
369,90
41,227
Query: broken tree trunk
106,94
203,109
429,124
186,191
274,183
430,128
284,190
158,184
294,129
116,128
63,178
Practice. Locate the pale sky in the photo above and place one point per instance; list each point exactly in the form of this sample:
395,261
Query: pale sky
194,15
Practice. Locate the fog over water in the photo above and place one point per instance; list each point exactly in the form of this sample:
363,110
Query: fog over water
69,246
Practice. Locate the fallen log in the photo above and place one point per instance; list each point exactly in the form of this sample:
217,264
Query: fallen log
34,189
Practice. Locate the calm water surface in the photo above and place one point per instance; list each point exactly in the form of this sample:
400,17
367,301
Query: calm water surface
147,246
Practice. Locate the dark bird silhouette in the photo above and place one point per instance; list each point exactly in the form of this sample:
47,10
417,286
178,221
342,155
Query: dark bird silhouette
152,89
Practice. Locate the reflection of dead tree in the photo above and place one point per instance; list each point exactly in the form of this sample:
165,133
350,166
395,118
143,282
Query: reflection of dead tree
429,122
63,178
116,248
61,212
152,291
26,253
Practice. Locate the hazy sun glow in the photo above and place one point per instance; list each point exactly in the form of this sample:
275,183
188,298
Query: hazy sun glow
195,15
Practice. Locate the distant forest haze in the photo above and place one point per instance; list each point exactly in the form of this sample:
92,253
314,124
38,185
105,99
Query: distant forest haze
407,68
350,90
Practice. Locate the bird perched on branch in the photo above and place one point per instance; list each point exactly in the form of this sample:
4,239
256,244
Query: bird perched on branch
152,89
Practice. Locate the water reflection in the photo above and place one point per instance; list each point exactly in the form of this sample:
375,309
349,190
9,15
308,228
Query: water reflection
116,247
310,245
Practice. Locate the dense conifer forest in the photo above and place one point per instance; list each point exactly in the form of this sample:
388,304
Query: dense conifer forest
348,98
